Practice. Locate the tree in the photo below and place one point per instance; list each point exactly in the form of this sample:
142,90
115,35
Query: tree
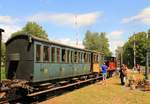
104,44
148,39
32,28
140,49
97,41
119,53
3,53
90,41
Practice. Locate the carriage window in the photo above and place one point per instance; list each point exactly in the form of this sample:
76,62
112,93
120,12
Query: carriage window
98,59
95,58
87,55
89,58
92,57
53,54
79,57
63,57
71,56
45,54
85,60
68,56
58,55
75,57
38,52
82,57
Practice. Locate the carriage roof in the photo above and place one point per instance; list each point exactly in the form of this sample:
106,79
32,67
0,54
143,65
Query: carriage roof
34,38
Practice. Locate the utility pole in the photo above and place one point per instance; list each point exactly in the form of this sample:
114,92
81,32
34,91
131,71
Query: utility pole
1,30
147,59
121,57
134,53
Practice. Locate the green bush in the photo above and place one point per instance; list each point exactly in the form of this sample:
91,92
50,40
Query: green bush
3,73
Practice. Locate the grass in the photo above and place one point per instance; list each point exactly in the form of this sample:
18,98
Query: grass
3,73
111,93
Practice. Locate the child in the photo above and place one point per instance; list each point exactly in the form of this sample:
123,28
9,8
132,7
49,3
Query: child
104,72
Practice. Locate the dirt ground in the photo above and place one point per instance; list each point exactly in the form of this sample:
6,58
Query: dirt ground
111,93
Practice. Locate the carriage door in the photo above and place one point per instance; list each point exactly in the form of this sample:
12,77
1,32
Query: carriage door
13,61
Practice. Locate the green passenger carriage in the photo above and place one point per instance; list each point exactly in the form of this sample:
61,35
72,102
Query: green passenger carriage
38,60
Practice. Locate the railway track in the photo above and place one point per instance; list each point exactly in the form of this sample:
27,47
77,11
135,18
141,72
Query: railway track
51,92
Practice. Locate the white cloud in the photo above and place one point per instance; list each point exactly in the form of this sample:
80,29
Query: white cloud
114,44
143,16
7,20
67,18
115,39
8,23
115,35
68,41
9,29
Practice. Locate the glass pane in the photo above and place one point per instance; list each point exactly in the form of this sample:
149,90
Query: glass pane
89,58
63,57
75,57
38,52
72,56
68,56
45,54
79,58
53,54
58,55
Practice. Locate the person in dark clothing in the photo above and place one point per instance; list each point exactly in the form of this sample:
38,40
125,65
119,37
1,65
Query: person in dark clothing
122,76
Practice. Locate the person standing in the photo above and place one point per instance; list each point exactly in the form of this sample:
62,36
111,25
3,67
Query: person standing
122,76
104,68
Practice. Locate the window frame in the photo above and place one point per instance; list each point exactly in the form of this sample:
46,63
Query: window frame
48,53
79,57
82,57
40,53
63,55
53,54
68,56
72,56
58,56
76,57
89,57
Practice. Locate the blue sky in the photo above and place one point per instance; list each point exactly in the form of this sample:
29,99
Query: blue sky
118,18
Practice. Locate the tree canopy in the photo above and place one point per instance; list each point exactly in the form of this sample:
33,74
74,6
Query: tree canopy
97,41
32,28
119,52
3,52
141,46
